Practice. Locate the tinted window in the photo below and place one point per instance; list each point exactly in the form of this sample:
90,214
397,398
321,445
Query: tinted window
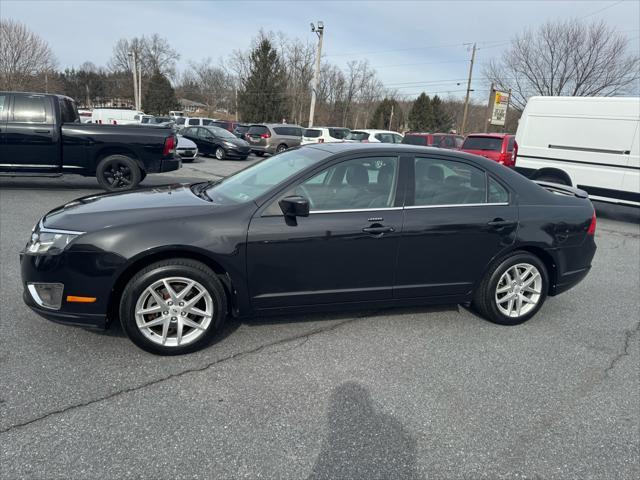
257,130
446,182
288,131
312,133
241,129
220,132
68,111
497,193
29,109
385,137
510,144
194,121
204,133
448,142
180,121
339,133
358,136
414,140
207,121
483,143
353,184
397,138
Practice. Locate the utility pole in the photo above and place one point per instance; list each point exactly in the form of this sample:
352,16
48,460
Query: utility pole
466,100
236,96
488,112
139,106
316,76
132,55
391,117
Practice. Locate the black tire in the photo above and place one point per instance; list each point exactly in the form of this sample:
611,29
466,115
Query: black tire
118,172
484,298
244,158
260,154
281,148
177,267
552,179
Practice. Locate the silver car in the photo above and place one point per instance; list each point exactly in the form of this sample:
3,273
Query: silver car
273,137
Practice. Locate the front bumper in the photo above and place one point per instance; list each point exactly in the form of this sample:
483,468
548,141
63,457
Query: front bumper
188,153
263,148
87,274
238,152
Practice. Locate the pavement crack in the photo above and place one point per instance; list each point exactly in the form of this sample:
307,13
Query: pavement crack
628,334
304,337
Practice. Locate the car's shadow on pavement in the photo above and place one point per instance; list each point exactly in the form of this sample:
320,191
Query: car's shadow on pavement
232,324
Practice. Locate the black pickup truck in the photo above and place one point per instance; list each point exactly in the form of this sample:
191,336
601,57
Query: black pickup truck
41,135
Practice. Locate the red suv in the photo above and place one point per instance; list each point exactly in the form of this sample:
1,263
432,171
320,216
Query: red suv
440,140
494,146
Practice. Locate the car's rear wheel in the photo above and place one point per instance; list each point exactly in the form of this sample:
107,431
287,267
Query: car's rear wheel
513,289
260,154
118,172
173,307
281,148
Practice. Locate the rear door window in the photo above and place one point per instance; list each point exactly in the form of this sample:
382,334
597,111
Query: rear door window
497,193
29,109
311,133
415,140
358,136
483,143
510,144
385,137
447,182
68,111
339,133
288,131
194,121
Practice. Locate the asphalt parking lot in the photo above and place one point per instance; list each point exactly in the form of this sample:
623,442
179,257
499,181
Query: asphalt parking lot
403,393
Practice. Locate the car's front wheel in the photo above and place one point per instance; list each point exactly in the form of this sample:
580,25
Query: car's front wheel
220,153
118,172
513,289
173,307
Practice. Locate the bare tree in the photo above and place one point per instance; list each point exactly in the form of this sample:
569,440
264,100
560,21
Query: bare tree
26,61
565,58
215,84
154,53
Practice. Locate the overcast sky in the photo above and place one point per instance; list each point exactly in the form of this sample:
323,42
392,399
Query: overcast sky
413,45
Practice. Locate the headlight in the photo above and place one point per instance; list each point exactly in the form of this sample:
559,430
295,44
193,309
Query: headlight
46,240
229,144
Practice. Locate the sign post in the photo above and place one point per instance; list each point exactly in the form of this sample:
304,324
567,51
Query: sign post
500,106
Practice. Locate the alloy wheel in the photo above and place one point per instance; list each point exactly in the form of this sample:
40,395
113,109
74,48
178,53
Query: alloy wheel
174,311
219,153
518,290
118,174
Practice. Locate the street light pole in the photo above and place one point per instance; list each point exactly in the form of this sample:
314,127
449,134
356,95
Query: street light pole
316,76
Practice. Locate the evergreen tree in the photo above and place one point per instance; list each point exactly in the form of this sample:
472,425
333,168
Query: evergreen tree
421,114
159,97
439,120
382,115
261,98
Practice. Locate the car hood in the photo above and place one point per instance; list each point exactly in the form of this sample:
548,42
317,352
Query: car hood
238,142
96,212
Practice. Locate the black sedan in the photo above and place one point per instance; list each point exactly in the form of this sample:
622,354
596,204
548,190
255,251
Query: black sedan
324,226
217,141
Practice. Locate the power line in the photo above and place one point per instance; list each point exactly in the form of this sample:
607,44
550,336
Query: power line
601,9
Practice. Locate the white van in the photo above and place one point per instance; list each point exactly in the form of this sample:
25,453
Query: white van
116,116
588,142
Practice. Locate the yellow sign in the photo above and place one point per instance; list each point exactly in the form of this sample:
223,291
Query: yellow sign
499,113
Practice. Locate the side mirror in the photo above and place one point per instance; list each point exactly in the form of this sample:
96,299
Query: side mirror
294,206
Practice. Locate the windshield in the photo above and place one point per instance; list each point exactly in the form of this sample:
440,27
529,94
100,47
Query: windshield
250,183
221,132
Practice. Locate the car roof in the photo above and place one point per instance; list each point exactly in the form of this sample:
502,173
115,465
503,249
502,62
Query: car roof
370,130
494,135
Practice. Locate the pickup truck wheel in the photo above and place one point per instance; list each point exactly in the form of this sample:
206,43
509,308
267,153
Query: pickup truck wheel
118,172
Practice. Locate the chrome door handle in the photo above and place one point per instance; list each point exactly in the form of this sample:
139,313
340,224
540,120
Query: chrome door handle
378,230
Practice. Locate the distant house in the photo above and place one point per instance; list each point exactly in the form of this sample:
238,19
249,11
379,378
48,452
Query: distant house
189,106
